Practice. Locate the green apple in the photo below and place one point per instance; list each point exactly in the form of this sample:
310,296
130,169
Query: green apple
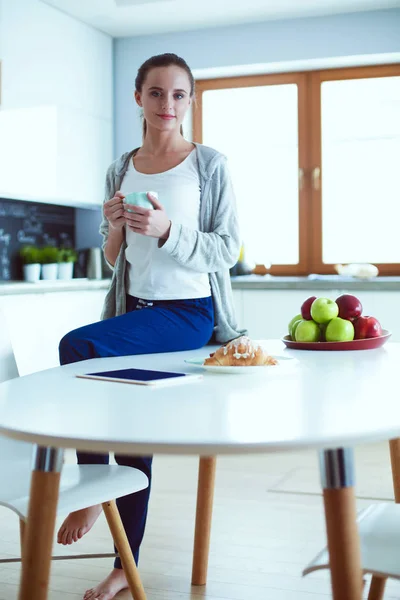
339,330
296,318
307,331
294,327
323,310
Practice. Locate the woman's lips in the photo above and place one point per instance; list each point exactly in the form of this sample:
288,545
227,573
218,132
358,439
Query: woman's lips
166,117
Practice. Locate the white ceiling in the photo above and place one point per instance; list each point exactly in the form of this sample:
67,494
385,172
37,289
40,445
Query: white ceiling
125,18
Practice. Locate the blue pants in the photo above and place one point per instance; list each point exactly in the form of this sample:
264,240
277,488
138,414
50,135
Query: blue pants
147,327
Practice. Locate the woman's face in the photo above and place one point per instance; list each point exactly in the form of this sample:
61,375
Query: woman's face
165,97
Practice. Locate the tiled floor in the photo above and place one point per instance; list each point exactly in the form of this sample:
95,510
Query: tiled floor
268,523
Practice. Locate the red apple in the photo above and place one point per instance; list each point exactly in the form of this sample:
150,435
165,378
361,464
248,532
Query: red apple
349,307
306,307
366,327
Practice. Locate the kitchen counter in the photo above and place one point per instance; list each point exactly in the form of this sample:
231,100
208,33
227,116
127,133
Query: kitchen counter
58,285
314,282
244,282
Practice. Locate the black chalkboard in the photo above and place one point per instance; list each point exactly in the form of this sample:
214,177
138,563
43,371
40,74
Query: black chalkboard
23,223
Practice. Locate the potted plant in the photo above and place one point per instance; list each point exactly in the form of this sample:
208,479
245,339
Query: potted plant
49,261
66,257
30,257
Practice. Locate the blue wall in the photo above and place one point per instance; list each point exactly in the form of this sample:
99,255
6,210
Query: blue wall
355,34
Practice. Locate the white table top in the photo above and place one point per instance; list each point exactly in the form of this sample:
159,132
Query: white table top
329,399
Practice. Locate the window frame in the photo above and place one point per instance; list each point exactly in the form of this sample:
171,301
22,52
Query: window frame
309,152
316,78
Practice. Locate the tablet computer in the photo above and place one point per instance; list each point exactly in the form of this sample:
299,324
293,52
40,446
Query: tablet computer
143,376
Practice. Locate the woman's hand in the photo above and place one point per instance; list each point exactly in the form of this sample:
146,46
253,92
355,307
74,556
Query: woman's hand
153,223
114,211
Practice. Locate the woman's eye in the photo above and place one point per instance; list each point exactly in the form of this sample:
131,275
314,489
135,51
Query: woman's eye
156,94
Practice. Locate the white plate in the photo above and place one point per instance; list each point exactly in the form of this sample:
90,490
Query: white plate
285,362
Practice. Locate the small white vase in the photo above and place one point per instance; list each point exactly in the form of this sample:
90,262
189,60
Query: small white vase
50,271
31,272
65,270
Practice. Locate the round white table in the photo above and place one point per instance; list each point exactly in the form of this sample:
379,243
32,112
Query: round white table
330,401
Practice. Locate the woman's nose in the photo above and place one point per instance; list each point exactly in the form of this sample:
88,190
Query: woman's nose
167,103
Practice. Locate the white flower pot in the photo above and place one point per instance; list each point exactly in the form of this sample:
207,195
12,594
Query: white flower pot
31,272
65,270
50,271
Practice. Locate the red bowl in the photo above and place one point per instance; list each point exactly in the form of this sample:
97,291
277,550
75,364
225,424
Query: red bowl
366,344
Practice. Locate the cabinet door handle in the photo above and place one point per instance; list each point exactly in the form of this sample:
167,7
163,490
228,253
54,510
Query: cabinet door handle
316,178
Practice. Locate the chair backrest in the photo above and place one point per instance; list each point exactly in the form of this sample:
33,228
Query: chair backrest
9,449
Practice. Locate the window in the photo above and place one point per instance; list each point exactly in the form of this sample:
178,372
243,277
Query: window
314,158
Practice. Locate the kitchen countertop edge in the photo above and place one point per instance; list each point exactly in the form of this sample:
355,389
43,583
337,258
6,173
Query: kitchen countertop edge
8,288
246,282
324,282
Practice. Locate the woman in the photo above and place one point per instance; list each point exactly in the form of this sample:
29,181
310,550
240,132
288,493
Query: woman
170,289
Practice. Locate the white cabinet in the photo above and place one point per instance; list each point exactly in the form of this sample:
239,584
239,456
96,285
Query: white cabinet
84,155
238,304
56,105
266,313
38,321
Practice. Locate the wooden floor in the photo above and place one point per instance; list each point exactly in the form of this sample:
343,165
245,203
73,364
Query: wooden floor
268,523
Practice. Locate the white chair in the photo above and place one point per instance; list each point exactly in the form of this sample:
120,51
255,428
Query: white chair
80,486
379,529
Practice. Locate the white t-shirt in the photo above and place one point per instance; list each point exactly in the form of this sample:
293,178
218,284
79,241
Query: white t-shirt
152,274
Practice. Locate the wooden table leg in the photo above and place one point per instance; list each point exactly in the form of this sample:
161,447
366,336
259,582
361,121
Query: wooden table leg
205,497
377,588
341,524
39,530
394,447
124,550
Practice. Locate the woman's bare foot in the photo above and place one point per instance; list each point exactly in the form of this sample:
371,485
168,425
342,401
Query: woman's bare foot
107,589
77,524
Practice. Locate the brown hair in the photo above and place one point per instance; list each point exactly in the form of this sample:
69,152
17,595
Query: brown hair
162,60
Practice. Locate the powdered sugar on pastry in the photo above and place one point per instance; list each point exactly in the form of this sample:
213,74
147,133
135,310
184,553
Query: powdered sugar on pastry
240,352
243,343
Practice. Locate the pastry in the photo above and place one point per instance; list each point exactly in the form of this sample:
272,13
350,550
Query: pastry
240,352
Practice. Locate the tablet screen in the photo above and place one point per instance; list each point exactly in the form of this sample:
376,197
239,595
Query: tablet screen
137,374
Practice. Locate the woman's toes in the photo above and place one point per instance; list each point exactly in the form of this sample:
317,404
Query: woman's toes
60,534
69,537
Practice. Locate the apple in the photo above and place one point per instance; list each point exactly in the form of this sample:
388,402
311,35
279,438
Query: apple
296,318
294,327
339,330
349,306
323,310
305,308
307,331
367,327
